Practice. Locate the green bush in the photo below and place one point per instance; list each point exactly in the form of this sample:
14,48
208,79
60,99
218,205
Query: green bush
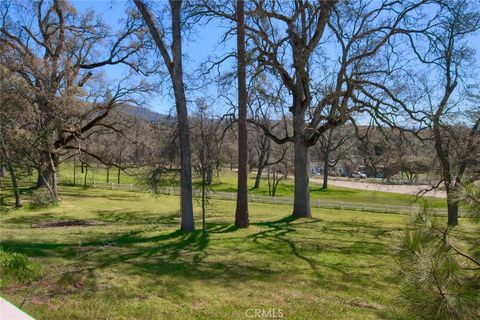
17,266
439,278
42,198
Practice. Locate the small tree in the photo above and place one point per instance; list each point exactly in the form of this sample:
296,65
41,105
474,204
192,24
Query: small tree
207,151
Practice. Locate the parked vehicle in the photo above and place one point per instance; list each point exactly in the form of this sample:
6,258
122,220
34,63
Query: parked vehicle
358,174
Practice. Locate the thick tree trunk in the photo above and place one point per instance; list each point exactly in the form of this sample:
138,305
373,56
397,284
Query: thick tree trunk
186,205
118,176
47,174
301,204
108,174
301,201
241,213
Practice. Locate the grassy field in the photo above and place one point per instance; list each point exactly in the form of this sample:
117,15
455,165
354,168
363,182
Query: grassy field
137,265
227,182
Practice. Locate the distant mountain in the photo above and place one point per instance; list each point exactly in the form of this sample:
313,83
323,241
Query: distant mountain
145,113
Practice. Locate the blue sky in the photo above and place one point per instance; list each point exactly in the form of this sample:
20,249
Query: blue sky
201,43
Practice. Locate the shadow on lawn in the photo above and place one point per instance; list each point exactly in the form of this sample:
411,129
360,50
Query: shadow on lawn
282,230
180,255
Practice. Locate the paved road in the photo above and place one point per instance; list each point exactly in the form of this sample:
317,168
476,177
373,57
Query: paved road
405,189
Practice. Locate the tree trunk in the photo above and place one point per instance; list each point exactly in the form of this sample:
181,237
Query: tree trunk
3,169
326,168
85,178
118,176
182,116
108,174
301,202
269,183
204,220
11,169
452,205
275,182
175,69
16,191
74,171
326,159
241,213
258,178
47,174
208,175
53,168
262,160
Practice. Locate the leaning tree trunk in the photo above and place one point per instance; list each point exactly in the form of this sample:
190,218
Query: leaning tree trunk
258,178
182,116
241,213
301,202
262,160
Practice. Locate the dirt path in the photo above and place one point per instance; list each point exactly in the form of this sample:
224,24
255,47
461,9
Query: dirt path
405,189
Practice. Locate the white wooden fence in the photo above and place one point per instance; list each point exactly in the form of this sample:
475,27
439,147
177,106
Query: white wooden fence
327,204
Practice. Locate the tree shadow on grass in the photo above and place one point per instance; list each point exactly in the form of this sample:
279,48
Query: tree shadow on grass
181,257
279,230
353,274
35,217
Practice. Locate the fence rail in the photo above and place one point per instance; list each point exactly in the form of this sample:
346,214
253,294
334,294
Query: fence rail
327,204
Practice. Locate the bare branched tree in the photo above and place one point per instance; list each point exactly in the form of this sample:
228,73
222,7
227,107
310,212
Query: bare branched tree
291,41
56,51
444,51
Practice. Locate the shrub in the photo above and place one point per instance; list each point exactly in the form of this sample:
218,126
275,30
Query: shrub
17,266
440,280
42,198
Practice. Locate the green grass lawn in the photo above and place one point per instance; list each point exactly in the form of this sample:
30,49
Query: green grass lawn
227,182
137,265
